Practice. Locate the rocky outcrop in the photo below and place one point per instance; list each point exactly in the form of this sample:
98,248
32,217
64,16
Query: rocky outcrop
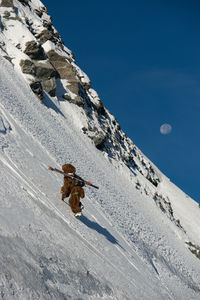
97,136
165,205
75,100
6,3
46,74
35,51
24,1
49,85
45,35
63,67
37,89
43,72
27,67
66,71
194,249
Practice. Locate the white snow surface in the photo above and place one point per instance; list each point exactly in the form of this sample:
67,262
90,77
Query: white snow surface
125,246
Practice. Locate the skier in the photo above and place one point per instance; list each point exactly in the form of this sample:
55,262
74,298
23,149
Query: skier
73,187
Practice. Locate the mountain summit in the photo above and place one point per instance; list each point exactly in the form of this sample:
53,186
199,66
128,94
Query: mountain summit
138,237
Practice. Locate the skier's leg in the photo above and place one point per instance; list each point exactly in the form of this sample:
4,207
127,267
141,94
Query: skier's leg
81,205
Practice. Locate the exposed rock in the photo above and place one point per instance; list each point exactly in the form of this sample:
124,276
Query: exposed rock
44,9
4,53
101,109
194,249
164,205
28,67
152,176
44,36
98,105
35,51
44,73
74,87
44,70
8,58
66,71
86,85
24,1
49,35
84,129
99,140
138,185
37,89
48,25
63,67
77,100
85,81
39,12
49,85
67,97
18,46
7,3
100,146
178,224
6,14
97,136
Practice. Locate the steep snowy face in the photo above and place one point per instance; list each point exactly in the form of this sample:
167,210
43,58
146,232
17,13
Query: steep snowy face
31,43
133,239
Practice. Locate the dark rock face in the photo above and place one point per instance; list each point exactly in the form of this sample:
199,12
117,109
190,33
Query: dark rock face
195,249
49,85
77,100
101,109
24,1
44,36
37,89
27,67
48,34
44,73
44,70
63,67
7,3
34,51
66,71
99,140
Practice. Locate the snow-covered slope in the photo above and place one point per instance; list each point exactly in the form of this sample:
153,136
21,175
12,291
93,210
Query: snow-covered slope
133,239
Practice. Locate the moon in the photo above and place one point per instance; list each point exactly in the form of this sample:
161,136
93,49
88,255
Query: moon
165,129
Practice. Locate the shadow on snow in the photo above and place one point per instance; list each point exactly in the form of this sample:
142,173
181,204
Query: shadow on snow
95,226
48,102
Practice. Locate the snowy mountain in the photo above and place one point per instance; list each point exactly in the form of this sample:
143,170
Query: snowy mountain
138,237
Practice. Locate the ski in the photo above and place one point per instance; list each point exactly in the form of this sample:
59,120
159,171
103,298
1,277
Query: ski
73,177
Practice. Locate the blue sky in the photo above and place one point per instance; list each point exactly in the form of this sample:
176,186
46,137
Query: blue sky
143,59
